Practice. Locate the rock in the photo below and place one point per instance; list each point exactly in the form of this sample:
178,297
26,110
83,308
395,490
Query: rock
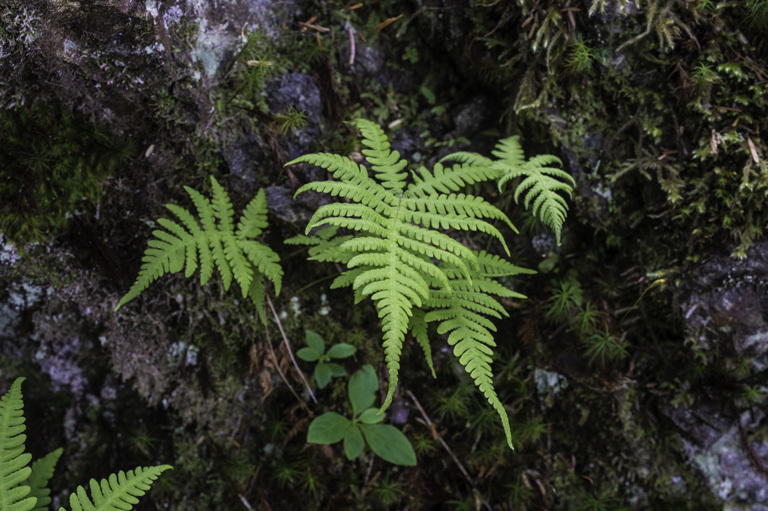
725,306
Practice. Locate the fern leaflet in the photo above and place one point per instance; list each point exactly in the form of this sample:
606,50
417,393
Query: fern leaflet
185,245
541,185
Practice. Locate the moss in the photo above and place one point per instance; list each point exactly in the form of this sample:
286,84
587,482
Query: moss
54,164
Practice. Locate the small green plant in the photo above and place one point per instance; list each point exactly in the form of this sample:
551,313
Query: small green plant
24,487
235,253
385,441
315,352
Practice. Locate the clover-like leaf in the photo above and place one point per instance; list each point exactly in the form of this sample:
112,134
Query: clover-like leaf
341,350
371,416
308,354
315,342
389,444
362,388
323,374
329,428
353,442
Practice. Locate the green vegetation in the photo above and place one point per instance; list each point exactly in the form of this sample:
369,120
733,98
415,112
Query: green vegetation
54,163
25,488
384,440
315,352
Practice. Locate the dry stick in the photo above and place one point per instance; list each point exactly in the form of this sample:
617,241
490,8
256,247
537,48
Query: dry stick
290,351
280,371
431,425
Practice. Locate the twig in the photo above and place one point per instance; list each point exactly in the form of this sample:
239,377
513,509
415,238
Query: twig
431,426
290,351
280,371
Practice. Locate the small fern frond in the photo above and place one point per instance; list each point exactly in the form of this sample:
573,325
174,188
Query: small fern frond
14,462
117,493
212,242
42,472
541,186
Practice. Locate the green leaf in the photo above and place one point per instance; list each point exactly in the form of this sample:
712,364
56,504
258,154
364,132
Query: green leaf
308,354
315,342
329,428
371,416
389,444
118,492
341,350
323,374
14,469
362,388
42,471
336,370
353,442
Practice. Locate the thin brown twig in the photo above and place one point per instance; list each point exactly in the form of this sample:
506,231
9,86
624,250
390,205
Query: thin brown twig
431,425
280,371
290,351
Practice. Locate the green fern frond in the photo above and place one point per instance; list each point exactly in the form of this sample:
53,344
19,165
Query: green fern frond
542,186
117,493
461,315
395,253
14,462
187,246
42,472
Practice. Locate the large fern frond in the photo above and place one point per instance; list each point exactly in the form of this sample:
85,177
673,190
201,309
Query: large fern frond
393,257
42,472
14,462
542,186
462,315
212,241
117,493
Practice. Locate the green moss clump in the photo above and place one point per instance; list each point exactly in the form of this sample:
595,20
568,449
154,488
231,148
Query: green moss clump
53,163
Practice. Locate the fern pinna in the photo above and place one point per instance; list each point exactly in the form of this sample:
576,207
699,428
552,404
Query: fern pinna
234,252
25,488
541,185
402,260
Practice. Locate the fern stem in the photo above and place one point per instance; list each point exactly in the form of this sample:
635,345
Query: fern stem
290,351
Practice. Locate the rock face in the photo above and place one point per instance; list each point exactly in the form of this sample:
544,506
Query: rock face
725,306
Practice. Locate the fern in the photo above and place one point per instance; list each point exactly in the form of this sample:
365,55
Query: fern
400,256
42,472
14,469
24,488
117,493
541,185
235,253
